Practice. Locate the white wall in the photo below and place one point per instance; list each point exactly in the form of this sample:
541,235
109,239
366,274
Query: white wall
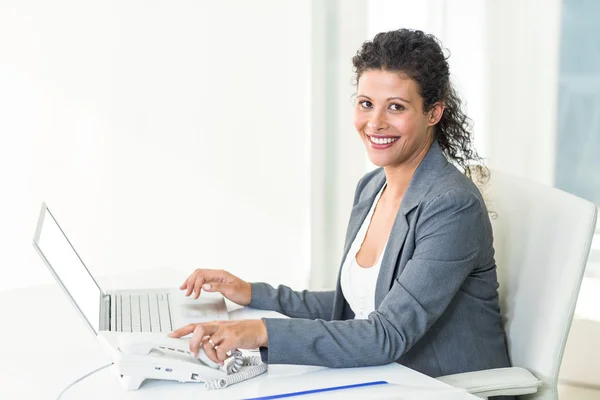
159,133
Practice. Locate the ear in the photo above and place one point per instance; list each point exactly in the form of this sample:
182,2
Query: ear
435,114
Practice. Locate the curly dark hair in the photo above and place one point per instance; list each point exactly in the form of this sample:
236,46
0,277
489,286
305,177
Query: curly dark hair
420,56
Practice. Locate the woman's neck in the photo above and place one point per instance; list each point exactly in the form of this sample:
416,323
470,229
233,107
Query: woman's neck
398,177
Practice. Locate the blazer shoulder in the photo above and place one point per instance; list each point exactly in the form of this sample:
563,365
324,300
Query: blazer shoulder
452,182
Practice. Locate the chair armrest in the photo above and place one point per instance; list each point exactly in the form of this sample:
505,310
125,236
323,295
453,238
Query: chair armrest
495,382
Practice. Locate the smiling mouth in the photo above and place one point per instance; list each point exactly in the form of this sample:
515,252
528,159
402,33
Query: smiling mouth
383,139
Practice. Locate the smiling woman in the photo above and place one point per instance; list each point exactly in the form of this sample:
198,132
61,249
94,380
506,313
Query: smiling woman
410,74
417,282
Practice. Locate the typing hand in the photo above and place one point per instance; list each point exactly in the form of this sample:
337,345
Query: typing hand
218,337
213,280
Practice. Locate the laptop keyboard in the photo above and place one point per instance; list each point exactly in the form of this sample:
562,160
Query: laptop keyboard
143,313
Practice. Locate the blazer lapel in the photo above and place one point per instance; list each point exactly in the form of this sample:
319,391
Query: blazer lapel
361,209
425,174
390,256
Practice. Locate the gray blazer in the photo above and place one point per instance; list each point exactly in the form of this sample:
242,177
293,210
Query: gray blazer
436,297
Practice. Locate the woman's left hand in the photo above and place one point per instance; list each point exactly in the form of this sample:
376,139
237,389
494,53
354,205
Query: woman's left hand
218,337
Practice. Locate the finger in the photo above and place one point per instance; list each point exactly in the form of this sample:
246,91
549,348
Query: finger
199,282
190,282
208,276
214,287
214,275
211,351
200,331
223,348
185,330
183,285
219,338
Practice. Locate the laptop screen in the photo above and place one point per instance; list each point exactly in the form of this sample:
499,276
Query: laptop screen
68,268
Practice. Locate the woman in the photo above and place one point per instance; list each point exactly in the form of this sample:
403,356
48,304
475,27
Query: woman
418,281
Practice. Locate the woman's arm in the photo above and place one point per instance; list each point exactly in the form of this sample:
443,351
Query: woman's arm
304,304
449,234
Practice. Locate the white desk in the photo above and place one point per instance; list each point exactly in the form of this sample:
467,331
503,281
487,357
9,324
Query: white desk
47,346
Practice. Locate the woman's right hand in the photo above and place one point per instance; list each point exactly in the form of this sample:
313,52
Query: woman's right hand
216,280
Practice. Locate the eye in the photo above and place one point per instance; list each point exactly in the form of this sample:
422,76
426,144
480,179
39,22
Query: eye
366,104
396,107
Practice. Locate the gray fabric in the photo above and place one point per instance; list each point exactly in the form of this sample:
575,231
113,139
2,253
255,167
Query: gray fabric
436,300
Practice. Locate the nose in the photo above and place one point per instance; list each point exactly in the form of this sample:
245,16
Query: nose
376,122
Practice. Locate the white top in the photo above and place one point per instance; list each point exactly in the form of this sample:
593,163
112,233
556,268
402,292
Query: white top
358,283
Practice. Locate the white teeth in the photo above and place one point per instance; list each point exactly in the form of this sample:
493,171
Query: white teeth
382,141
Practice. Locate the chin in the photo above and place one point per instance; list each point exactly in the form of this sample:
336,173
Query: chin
380,162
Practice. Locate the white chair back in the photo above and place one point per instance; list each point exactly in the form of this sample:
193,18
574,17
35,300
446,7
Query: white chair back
542,239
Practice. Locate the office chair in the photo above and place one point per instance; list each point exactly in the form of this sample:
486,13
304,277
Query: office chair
542,238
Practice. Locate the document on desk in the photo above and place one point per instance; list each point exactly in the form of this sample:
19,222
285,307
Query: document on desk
378,390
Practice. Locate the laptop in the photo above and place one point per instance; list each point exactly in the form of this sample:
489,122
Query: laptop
145,310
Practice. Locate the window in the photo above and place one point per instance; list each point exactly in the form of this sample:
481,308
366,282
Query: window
577,166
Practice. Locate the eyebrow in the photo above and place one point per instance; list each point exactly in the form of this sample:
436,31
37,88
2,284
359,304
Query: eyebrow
388,99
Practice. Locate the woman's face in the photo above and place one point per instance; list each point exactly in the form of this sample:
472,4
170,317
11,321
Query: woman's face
389,118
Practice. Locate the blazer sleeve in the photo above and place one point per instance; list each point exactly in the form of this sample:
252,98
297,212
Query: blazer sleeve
304,304
448,242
